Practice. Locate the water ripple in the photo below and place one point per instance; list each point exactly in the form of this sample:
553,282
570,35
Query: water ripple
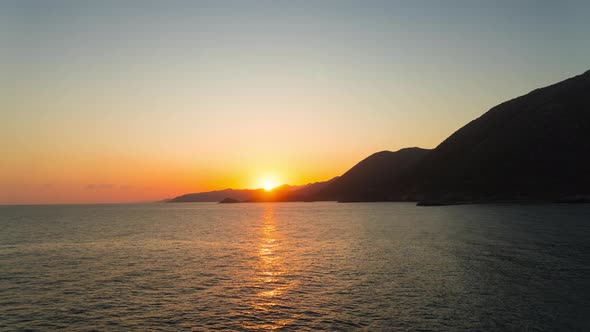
319,266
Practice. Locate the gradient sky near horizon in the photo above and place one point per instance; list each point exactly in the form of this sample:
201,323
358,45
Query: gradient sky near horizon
120,101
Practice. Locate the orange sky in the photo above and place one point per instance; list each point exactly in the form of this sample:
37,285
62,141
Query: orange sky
94,176
114,102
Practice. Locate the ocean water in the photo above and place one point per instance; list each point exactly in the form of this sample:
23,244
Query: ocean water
295,266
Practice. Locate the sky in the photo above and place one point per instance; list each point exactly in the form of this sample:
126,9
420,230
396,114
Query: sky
134,101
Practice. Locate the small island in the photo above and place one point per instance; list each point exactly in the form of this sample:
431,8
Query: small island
228,200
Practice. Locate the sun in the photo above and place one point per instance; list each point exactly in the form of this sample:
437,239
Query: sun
269,185
268,181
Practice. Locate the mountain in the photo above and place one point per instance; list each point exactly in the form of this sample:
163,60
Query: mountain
282,193
534,147
364,181
216,196
303,193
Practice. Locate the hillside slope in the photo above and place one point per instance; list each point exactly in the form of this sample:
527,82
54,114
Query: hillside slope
364,181
536,146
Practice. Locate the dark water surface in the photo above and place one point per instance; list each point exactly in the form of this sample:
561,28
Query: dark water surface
295,266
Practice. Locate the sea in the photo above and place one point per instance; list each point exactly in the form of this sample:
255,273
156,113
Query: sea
320,266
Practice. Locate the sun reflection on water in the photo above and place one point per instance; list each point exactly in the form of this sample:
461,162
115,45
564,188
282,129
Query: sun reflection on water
271,277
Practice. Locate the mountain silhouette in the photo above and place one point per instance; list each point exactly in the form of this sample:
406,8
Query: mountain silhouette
534,147
281,193
365,180
216,196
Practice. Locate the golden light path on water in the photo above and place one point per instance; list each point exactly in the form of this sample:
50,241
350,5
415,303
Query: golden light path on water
294,267
271,279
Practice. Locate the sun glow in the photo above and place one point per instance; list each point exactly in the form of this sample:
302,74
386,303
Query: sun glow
269,185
